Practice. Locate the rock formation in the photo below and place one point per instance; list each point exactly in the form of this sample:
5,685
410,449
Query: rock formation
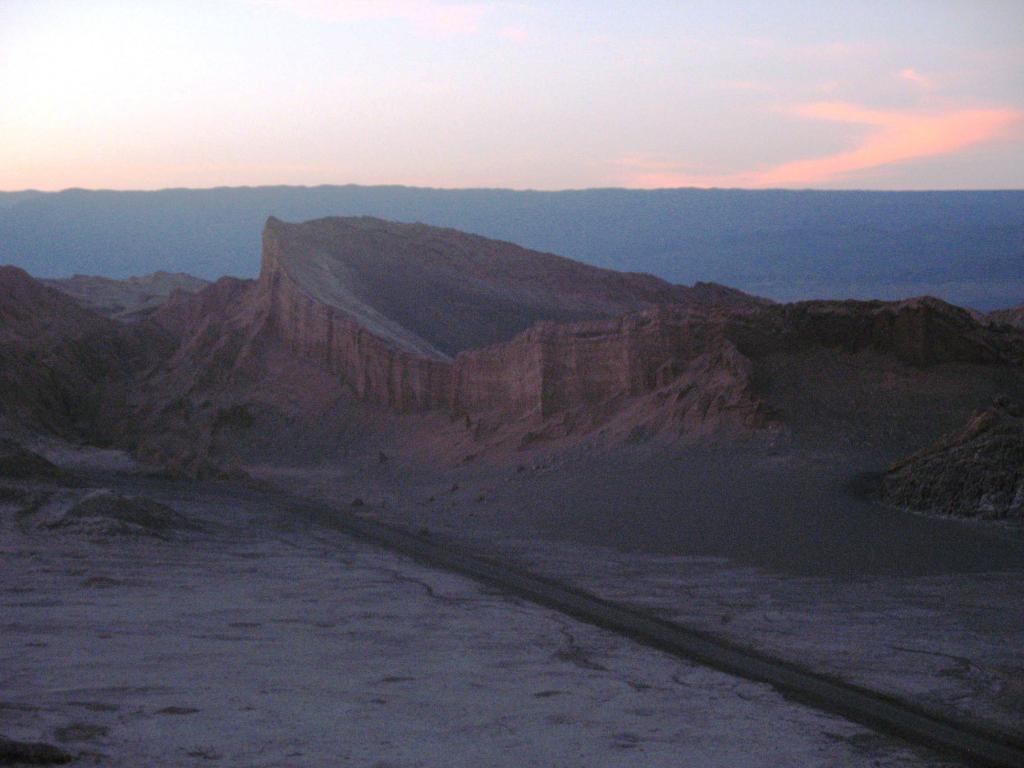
386,306
61,366
129,300
436,292
921,331
1013,317
975,472
329,292
359,325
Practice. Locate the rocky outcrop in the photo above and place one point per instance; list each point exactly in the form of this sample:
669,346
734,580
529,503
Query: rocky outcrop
921,331
385,306
129,300
352,315
976,472
305,336
436,292
398,315
63,368
105,513
555,368
1013,317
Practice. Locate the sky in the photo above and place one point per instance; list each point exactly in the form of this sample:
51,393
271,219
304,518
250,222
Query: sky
148,94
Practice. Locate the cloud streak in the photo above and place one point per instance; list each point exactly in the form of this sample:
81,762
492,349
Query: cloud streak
915,77
895,137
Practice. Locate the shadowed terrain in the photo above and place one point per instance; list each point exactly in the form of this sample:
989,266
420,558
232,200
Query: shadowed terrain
539,409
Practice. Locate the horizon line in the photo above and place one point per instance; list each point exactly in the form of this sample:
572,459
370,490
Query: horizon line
151,190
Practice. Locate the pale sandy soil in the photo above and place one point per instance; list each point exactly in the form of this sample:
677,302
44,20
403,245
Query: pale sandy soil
260,641
773,552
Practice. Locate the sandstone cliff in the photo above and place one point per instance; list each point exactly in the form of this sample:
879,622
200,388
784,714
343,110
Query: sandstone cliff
353,322
384,306
405,317
436,292
556,368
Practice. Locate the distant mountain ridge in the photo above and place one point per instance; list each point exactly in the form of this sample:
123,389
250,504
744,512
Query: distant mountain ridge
965,247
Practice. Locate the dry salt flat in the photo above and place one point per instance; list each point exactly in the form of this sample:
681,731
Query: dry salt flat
256,640
929,611
952,643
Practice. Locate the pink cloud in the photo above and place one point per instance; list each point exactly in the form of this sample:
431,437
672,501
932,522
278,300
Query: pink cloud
787,50
896,137
432,16
915,77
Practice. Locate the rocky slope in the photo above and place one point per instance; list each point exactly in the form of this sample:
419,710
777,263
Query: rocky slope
920,332
63,368
1013,316
330,291
355,322
977,471
127,300
437,292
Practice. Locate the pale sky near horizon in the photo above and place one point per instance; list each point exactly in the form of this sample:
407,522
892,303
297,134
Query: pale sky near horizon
146,94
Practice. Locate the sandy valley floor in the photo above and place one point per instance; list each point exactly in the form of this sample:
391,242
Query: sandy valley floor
772,553
257,641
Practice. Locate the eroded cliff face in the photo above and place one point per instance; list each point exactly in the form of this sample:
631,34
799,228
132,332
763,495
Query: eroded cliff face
437,292
301,348
686,364
554,368
549,369
400,372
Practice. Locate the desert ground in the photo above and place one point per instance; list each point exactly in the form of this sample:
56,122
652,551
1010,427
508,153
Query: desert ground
236,634
779,553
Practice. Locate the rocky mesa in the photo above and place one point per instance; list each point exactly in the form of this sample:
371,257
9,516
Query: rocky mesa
358,325
420,318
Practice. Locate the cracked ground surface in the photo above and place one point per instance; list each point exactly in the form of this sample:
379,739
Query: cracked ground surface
262,641
929,611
